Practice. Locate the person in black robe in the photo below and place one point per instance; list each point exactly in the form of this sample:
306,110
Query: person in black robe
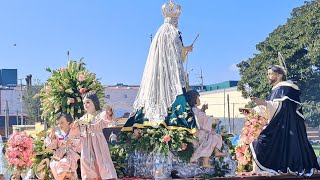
283,146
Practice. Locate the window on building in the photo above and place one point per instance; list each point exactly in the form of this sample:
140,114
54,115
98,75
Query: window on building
108,96
125,96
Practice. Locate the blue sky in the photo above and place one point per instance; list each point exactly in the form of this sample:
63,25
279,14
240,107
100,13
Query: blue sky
113,37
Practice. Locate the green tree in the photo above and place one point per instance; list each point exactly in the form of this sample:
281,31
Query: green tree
32,103
299,43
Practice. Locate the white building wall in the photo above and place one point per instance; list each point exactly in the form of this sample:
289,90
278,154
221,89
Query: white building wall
121,99
13,98
218,107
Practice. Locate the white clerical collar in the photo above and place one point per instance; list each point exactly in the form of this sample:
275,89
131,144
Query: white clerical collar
286,83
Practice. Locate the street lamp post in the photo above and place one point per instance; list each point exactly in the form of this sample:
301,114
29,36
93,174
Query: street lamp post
201,78
187,79
189,74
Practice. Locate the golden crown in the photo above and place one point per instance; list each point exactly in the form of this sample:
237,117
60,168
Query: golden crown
171,9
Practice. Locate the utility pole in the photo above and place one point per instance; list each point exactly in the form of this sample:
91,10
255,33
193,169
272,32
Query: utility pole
233,118
17,117
224,106
228,102
6,121
21,102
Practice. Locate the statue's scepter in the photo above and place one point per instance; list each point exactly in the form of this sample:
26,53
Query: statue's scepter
195,39
187,74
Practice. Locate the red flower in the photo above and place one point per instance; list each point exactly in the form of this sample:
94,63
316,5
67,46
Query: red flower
82,90
166,138
184,146
71,100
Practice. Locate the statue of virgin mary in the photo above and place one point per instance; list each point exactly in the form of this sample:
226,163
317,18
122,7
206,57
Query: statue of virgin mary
162,99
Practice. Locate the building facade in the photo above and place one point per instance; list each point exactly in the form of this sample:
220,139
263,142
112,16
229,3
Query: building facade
121,97
12,95
224,104
10,101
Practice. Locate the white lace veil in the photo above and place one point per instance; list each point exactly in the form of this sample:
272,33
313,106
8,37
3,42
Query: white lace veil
163,73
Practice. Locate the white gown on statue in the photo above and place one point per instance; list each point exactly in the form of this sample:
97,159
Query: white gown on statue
163,76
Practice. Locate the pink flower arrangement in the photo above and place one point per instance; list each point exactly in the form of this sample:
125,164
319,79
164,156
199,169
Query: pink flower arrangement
19,150
250,132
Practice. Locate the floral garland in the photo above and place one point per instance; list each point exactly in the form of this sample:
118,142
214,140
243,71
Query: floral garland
19,151
163,140
250,132
159,140
153,140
